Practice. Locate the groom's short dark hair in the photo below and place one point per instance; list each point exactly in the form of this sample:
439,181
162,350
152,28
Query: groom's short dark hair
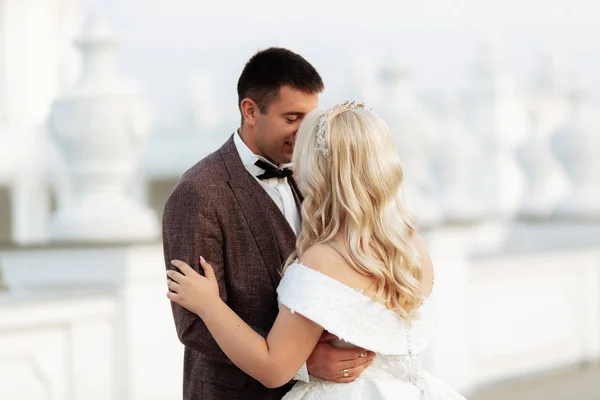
271,69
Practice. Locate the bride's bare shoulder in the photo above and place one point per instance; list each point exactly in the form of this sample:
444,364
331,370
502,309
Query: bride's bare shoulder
322,258
326,260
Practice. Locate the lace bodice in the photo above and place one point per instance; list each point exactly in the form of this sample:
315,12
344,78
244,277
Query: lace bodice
354,317
362,321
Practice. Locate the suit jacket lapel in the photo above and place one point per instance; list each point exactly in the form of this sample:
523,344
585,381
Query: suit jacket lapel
261,213
297,195
287,245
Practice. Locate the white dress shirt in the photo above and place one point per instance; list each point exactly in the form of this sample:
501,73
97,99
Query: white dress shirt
277,188
280,191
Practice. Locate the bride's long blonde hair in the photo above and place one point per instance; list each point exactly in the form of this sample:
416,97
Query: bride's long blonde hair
354,190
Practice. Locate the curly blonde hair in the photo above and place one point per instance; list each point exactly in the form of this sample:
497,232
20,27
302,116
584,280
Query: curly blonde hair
354,190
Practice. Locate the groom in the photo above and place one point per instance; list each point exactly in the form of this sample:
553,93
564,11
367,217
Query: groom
239,208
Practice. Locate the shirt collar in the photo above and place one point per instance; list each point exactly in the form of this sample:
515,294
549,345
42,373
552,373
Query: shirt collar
249,158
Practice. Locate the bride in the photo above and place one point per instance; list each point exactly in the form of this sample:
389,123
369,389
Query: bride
360,271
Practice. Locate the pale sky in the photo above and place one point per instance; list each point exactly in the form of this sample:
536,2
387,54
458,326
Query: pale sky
165,42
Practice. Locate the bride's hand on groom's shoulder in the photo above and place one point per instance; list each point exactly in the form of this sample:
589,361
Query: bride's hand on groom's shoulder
191,290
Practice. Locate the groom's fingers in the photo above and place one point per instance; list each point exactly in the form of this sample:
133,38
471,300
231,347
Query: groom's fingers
352,364
353,354
328,337
348,375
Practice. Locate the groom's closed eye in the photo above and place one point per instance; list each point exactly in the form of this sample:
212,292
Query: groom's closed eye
292,117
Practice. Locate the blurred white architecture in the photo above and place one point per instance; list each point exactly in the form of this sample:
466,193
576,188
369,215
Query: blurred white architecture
415,131
456,152
577,145
37,62
504,181
83,313
101,126
549,107
496,113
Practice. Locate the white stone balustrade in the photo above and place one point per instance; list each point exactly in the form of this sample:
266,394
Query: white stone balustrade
101,125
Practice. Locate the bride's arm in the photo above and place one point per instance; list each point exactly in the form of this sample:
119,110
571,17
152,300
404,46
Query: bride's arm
273,361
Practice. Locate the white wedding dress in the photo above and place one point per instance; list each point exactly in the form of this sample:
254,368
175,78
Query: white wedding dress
360,320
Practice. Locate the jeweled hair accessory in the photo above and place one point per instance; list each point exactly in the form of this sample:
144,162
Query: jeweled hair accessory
324,122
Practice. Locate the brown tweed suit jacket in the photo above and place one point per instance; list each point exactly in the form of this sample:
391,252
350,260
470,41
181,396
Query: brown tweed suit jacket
219,211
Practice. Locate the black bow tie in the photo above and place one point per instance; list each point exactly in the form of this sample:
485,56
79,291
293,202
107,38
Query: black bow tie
271,171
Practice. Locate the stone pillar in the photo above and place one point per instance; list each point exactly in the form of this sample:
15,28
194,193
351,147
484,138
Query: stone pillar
496,115
550,107
414,130
577,146
100,126
35,61
36,65
454,160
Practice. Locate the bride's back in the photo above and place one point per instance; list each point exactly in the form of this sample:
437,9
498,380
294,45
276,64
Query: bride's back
360,270
328,260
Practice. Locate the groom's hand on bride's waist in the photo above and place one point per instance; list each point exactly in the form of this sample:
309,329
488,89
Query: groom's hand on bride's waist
334,364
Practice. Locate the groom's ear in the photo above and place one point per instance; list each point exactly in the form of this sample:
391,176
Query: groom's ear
249,111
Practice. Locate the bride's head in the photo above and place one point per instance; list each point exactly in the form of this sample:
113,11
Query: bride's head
348,170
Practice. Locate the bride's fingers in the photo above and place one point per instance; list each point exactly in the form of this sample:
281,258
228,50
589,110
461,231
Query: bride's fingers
172,285
209,272
175,276
173,297
183,267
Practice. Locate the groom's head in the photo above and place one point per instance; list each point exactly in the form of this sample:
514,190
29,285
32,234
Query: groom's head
276,89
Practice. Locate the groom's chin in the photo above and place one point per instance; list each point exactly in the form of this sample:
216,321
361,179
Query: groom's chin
288,151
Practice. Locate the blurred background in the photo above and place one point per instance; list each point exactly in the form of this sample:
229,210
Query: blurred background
105,103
